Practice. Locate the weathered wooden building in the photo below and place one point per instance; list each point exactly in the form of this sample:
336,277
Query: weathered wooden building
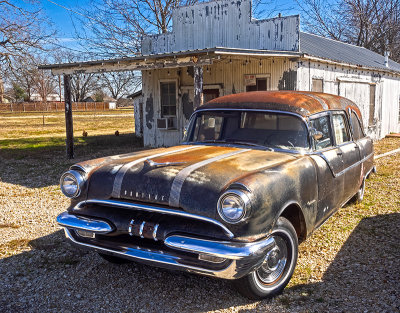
216,48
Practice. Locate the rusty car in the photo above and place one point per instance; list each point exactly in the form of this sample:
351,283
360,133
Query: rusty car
255,175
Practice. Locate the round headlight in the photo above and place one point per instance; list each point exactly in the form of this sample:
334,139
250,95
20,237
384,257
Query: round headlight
71,183
233,206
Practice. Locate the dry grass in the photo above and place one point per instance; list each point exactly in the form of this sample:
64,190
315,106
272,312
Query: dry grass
52,124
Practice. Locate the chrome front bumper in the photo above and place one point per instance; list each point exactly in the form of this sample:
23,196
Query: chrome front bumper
239,258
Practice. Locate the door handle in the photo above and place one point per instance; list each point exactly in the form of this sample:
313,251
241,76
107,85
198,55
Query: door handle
339,152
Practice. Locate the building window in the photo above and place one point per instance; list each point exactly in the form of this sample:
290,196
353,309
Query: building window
210,94
168,99
261,85
317,85
371,120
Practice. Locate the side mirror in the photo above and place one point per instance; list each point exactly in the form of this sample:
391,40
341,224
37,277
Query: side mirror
317,135
185,130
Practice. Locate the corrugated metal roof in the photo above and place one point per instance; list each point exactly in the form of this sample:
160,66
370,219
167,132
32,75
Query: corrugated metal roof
342,52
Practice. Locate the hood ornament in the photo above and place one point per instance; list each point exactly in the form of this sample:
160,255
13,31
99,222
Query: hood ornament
151,163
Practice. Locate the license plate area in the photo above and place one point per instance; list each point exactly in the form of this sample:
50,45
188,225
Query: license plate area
85,233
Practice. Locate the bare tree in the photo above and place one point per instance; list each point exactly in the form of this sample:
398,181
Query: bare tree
114,28
44,84
373,24
82,85
22,31
120,84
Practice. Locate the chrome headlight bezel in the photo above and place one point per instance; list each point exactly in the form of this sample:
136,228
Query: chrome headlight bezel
244,200
79,180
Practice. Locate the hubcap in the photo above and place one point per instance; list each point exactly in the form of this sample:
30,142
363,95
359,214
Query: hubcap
274,263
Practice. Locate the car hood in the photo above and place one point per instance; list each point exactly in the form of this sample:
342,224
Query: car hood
189,177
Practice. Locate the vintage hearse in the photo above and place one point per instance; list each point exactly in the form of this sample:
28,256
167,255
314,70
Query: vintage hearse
256,174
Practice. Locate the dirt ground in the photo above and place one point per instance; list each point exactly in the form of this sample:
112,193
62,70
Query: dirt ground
351,264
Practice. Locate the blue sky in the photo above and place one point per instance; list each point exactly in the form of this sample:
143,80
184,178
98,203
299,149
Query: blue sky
63,20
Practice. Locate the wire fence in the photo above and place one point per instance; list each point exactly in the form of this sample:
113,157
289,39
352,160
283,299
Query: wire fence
20,107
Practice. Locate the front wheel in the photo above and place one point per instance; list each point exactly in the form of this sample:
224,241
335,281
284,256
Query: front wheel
277,268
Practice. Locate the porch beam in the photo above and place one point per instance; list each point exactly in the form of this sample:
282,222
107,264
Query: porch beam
134,66
69,128
198,86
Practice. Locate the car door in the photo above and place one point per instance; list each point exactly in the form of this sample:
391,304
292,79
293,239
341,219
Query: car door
328,159
350,152
364,143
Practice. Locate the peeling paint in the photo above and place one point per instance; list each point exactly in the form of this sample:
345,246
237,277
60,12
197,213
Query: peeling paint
187,105
149,112
288,80
230,24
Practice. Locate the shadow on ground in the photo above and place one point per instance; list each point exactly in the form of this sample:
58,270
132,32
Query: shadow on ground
39,162
53,276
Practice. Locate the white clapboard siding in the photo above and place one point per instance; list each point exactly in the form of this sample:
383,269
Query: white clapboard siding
224,23
354,84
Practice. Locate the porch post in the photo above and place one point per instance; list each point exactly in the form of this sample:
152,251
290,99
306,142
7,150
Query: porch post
198,86
69,128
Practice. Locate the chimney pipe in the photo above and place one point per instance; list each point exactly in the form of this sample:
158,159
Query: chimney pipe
387,53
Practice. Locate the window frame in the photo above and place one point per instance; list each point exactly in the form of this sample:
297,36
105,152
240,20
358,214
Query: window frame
359,124
346,121
316,116
166,81
317,79
188,139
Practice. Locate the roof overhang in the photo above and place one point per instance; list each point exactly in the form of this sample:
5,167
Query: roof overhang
159,61
349,65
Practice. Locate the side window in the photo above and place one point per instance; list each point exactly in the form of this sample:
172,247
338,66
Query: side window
355,124
209,128
168,99
322,124
340,129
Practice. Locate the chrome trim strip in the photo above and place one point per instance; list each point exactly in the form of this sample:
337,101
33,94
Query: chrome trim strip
235,269
222,249
144,207
155,232
141,229
130,228
116,192
346,169
144,255
78,167
78,222
175,193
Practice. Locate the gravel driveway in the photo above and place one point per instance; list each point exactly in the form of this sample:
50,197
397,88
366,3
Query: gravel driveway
351,264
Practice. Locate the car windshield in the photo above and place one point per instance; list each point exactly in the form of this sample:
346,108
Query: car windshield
265,129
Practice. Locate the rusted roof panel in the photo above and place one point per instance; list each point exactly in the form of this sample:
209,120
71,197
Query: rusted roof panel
304,103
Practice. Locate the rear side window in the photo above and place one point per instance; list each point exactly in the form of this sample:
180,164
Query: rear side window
322,124
340,129
356,126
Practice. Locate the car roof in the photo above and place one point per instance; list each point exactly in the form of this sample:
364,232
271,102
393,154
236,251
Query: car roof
304,103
